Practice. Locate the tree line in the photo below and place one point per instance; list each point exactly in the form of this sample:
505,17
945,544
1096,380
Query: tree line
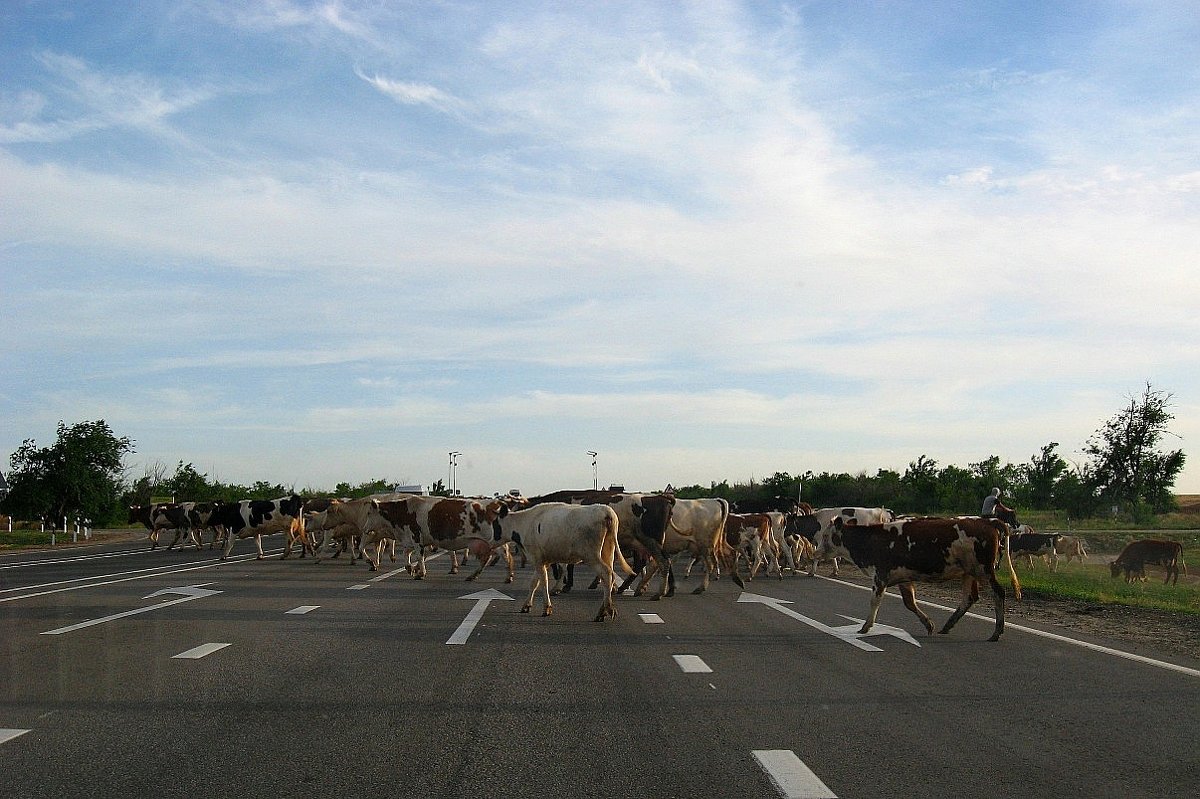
82,475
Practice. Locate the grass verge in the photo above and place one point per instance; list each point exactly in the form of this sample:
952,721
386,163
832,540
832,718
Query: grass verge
1094,583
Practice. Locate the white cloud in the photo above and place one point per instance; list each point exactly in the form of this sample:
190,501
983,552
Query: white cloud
408,93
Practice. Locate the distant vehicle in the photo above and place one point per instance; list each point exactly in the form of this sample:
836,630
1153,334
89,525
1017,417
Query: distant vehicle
416,488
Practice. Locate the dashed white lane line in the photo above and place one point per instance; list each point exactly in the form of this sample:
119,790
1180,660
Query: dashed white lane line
300,611
793,779
692,664
360,587
8,735
650,618
200,651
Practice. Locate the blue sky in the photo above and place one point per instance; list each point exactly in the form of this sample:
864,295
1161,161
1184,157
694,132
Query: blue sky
310,242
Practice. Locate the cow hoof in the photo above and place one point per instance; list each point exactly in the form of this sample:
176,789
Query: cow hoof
526,608
509,580
419,577
566,589
995,637
547,612
738,581
470,578
260,557
699,590
671,591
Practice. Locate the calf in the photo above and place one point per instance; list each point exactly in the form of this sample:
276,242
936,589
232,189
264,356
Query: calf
1136,554
1071,546
749,534
557,532
926,550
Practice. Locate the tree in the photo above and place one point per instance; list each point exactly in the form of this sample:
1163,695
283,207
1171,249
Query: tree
79,475
1126,464
1041,475
919,485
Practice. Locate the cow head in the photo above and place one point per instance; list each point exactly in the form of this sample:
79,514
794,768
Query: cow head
1115,566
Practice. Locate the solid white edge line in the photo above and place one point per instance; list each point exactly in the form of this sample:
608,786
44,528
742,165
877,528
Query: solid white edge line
8,735
359,587
1052,636
195,653
692,664
791,776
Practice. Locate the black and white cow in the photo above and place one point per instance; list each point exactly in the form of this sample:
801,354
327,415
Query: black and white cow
256,517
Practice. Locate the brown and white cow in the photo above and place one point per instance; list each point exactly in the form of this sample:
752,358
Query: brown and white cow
749,534
1136,554
926,550
416,522
558,532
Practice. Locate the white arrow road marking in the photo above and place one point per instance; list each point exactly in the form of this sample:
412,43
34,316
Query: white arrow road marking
195,653
793,779
482,600
300,611
846,633
189,592
692,664
852,630
650,618
8,735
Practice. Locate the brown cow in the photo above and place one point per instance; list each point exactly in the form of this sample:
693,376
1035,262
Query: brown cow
926,550
1136,554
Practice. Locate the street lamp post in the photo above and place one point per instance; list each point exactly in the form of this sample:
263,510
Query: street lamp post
595,475
453,466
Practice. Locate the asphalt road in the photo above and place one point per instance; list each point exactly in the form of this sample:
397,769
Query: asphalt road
334,681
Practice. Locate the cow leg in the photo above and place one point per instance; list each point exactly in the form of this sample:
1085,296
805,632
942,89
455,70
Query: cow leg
876,598
508,561
604,566
969,596
258,543
229,539
909,594
454,561
419,567
539,574
710,565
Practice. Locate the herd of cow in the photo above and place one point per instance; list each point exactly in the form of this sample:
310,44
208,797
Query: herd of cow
602,528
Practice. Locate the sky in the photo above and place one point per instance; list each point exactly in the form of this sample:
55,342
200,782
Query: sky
310,242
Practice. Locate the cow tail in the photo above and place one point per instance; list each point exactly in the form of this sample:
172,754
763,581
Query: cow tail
618,557
1012,573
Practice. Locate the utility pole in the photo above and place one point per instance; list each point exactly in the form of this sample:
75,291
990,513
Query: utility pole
453,466
595,473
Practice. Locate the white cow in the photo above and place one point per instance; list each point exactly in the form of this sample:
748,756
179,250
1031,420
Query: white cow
558,532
